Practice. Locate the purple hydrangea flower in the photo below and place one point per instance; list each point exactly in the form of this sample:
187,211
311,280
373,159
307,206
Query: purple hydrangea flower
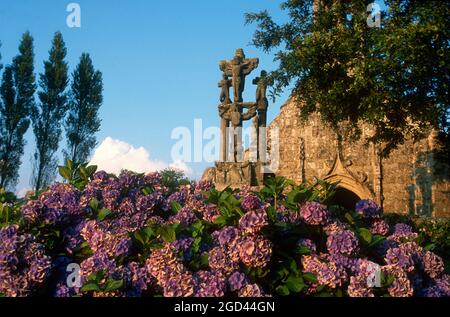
400,258
251,290
209,284
344,242
253,221
379,227
308,244
438,287
358,287
329,273
314,213
433,264
334,227
402,228
255,251
251,202
401,286
220,261
226,235
368,209
24,266
237,281
180,285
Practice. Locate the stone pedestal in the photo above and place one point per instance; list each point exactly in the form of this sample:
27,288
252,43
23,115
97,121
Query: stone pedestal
235,174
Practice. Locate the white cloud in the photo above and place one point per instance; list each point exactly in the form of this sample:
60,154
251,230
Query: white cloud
114,155
23,192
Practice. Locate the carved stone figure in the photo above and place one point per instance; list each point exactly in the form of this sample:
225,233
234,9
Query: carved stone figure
233,113
238,68
233,169
225,84
262,104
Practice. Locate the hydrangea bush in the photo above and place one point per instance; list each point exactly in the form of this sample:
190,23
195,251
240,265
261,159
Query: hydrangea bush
135,235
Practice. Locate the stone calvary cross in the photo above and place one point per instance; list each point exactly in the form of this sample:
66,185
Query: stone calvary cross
231,111
232,169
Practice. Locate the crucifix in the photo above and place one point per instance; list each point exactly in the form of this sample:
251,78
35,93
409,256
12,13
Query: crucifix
231,112
238,68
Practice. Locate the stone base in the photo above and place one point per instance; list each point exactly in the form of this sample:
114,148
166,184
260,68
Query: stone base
235,174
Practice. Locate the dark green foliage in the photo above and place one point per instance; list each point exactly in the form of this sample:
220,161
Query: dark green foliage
395,77
172,178
85,100
77,174
9,208
48,114
436,234
17,90
95,283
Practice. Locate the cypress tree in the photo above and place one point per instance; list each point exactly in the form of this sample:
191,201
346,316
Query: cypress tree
48,114
85,100
17,98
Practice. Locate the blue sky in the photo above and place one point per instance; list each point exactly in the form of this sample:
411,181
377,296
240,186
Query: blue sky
159,60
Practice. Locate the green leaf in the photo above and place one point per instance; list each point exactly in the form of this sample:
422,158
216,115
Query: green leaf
302,250
90,287
310,277
65,173
91,169
296,196
376,239
365,235
103,213
430,247
94,204
83,172
293,266
271,214
113,285
96,276
137,235
204,260
389,280
167,233
282,290
349,218
282,272
148,232
221,220
146,191
295,284
176,207
69,164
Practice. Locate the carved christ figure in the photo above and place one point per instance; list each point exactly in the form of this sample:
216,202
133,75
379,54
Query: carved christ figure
238,68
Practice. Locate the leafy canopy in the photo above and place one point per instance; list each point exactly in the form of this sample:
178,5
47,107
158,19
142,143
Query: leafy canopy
394,77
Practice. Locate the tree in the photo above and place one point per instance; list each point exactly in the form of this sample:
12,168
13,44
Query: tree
85,100
47,116
394,77
17,95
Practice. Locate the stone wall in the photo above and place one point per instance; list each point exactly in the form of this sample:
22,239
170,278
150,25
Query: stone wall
412,180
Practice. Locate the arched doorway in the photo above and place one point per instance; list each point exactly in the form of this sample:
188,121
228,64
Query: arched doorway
345,198
348,191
